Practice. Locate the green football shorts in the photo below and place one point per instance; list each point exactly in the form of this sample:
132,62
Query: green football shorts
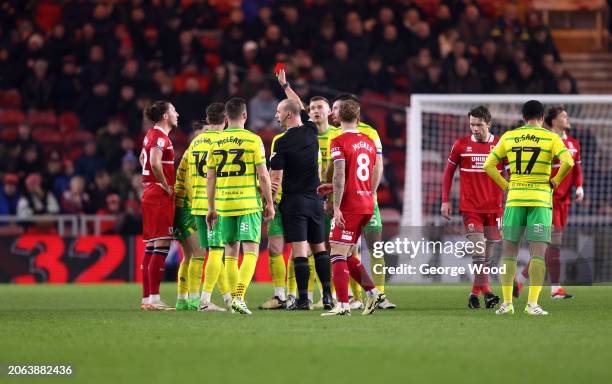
184,223
208,239
375,223
241,228
275,227
537,221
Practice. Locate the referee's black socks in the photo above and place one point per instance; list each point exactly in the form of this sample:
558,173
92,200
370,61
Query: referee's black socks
323,268
302,274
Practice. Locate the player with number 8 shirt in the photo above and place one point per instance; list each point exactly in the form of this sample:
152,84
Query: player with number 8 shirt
353,155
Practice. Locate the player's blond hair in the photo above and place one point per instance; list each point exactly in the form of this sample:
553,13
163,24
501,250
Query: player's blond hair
349,111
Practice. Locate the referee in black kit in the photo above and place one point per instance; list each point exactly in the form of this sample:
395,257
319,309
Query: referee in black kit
295,162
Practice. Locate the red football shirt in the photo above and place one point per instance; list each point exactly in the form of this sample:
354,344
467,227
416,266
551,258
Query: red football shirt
478,192
359,154
156,139
563,191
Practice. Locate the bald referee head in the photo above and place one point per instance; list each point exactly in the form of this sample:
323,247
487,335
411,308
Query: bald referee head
288,113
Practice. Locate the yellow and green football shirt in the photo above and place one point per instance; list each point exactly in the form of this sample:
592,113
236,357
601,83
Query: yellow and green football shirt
234,156
530,151
280,188
324,149
196,154
182,184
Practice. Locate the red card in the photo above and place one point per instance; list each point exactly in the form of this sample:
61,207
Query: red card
279,67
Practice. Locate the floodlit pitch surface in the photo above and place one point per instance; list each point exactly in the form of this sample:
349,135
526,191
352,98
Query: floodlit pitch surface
431,338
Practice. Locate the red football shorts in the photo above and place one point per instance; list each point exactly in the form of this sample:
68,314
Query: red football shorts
487,223
559,216
353,225
157,214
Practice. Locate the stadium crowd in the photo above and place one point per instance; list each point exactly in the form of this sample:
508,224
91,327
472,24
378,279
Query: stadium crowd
75,77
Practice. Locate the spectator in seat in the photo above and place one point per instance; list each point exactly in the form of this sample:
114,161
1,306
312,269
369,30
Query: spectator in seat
35,200
30,161
96,107
128,110
9,194
89,162
417,66
67,87
473,28
122,180
377,78
341,70
99,190
434,82
112,208
501,82
565,86
109,144
357,38
55,179
262,109
191,103
38,88
528,81
391,49
464,78
75,199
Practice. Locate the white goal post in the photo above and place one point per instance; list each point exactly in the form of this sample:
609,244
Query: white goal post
436,121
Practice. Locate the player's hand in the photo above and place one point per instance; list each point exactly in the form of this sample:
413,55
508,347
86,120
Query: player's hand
325,189
579,195
269,212
168,190
552,183
211,219
329,208
445,210
339,219
281,77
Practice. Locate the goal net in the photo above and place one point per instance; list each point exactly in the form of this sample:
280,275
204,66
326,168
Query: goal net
436,121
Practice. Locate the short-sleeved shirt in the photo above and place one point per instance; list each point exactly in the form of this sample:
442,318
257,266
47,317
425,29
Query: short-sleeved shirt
478,192
530,151
196,181
297,154
324,149
156,139
359,153
234,156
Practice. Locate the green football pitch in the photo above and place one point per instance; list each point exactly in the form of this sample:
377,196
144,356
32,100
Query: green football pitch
431,338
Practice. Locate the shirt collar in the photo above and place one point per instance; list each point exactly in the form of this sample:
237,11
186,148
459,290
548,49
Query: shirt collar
491,138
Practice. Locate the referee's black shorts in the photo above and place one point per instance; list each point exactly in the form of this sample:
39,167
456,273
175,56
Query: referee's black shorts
303,218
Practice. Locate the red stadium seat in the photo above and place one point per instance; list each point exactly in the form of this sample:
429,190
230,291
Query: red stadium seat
210,43
77,138
43,119
10,99
8,133
47,136
11,118
68,122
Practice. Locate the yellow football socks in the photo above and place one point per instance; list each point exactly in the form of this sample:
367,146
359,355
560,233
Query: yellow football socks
291,282
277,270
194,276
507,279
378,278
537,272
231,272
214,265
245,274
182,279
